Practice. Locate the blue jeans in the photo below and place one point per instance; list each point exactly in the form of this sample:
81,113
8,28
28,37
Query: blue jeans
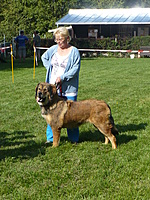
73,134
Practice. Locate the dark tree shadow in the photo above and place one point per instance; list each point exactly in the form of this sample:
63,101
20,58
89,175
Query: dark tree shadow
20,145
7,140
29,63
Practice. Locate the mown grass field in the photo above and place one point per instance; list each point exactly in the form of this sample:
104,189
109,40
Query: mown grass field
89,170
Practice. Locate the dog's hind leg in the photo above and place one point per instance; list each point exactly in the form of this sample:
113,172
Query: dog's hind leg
106,140
108,136
114,132
112,139
56,137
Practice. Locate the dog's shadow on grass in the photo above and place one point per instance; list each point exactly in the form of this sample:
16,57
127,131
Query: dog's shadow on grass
95,135
131,127
19,144
124,138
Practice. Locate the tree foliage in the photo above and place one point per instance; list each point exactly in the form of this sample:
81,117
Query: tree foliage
30,15
41,15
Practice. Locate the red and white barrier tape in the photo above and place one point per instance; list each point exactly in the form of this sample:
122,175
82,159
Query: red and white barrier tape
143,51
3,48
41,47
115,51
103,50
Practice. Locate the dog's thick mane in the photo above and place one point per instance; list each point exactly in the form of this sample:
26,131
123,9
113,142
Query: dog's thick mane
49,107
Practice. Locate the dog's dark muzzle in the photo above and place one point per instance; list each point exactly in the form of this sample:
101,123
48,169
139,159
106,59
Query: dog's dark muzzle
40,96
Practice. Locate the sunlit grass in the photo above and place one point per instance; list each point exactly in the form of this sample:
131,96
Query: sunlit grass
90,170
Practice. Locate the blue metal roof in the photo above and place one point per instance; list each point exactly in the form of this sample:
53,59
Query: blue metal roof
106,16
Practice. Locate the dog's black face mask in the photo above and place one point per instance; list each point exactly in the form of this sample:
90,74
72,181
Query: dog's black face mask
45,93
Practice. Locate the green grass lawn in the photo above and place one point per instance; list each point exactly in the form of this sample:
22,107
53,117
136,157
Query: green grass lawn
89,170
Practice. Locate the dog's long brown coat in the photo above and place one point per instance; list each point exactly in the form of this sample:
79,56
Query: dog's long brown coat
59,113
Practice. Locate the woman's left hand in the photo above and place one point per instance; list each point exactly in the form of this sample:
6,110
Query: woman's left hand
58,80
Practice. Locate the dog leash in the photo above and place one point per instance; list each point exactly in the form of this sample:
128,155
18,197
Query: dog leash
58,87
60,90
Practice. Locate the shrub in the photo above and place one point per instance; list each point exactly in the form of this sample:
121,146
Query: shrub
105,43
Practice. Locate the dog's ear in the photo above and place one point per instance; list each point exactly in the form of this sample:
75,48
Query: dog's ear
52,90
36,90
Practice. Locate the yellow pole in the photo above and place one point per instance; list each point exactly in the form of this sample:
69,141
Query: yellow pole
34,63
12,63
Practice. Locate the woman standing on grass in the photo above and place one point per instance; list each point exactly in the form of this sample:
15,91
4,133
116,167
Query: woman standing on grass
62,62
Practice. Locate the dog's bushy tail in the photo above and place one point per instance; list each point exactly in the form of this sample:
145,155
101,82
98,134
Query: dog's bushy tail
114,130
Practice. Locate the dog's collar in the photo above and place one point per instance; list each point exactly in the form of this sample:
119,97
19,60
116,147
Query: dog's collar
47,106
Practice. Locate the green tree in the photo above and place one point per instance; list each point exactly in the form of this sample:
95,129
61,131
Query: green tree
30,15
110,4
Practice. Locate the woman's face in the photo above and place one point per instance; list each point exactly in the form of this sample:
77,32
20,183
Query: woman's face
61,41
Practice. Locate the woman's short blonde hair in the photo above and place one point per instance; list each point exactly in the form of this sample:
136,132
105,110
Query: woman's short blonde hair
63,31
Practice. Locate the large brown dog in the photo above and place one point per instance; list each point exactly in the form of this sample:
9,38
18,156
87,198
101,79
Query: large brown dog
59,113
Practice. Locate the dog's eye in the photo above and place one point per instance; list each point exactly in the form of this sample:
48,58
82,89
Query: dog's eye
45,90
